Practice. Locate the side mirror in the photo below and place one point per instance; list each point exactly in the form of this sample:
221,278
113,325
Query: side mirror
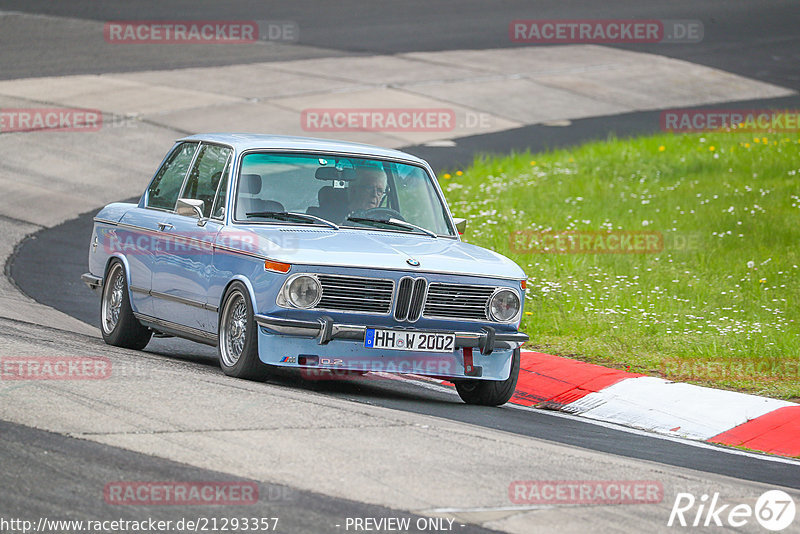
461,225
191,207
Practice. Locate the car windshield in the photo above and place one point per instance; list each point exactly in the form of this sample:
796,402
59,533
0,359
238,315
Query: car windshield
340,192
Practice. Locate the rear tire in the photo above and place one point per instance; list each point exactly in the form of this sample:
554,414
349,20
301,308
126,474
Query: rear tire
490,392
237,344
117,323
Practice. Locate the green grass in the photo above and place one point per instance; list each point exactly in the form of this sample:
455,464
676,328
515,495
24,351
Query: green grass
717,306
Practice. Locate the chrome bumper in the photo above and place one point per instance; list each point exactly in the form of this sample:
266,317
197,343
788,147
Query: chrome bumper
94,282
326,330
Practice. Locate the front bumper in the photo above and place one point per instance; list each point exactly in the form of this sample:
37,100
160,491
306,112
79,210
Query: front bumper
325,329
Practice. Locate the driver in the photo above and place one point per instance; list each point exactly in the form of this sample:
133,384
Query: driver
367,190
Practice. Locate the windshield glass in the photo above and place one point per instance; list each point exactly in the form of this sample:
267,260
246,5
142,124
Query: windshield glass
347,191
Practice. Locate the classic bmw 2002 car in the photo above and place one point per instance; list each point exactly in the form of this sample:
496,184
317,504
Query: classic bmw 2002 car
312,254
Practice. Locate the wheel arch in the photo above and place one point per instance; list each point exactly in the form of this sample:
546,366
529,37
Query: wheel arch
250,293
126,269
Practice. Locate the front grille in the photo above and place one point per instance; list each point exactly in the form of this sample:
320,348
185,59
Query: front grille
457,301
356,294
410,297
417,299
404,290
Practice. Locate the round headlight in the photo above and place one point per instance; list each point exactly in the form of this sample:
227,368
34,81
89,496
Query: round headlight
504,305
304,292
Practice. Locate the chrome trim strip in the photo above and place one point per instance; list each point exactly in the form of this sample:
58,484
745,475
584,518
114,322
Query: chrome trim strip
184,331
244,253
136,227
93,282
158,294
179,300
105,221
311,329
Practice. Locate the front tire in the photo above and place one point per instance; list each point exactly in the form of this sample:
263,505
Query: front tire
237,345
117,323
490,392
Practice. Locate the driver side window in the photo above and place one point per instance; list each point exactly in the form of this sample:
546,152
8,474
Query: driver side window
164,189
206,174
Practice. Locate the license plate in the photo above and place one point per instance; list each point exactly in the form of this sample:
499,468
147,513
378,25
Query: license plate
380,338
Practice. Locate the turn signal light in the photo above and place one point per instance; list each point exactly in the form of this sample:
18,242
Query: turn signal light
523,284
277,266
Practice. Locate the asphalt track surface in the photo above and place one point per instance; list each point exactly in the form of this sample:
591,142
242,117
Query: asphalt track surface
77,471
759,40
38,455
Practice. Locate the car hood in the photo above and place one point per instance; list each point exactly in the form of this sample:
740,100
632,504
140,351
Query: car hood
370,250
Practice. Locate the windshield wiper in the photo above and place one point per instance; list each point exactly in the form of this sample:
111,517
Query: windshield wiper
288,215
394,222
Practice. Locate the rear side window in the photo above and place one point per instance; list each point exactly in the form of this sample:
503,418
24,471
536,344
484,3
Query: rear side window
164,189
206,175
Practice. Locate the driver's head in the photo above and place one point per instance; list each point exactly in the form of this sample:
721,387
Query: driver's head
368,189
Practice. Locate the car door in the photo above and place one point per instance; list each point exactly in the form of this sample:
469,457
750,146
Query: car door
185,249
137,231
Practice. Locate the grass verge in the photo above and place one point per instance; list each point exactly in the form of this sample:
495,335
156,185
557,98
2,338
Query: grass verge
713,301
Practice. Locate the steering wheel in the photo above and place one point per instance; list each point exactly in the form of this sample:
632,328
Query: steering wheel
383,213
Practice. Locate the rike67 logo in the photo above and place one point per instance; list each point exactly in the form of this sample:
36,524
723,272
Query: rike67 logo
774,510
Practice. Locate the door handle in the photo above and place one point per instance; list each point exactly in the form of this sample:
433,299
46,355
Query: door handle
164,226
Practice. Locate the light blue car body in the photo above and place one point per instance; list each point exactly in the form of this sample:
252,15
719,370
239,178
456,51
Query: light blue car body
178,289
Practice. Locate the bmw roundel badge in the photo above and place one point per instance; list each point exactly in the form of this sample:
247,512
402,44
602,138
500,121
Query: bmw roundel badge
412,262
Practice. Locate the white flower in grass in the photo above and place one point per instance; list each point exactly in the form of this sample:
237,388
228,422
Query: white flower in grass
751,264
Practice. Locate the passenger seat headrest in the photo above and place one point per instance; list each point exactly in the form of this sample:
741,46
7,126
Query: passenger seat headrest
251,184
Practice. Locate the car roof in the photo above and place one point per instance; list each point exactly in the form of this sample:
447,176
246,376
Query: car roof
241,142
